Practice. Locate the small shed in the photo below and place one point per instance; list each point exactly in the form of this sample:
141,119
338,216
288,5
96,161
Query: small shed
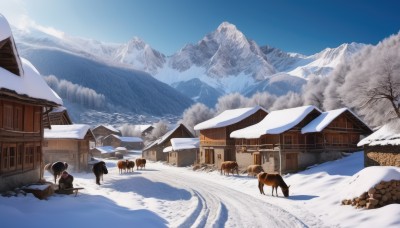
130,143
68,143
154,150
102,131
382,148
103,152
183,151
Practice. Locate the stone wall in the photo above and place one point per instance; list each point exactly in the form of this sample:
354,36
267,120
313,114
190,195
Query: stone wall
382,194
382,156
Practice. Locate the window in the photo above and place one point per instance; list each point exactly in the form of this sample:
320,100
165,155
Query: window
29,156
18,118
8,116
37,120
8,157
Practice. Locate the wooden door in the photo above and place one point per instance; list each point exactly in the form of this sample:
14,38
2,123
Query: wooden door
209,156
256,159
291,161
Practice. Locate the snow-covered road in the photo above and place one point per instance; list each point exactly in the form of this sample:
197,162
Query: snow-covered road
187,198
213,204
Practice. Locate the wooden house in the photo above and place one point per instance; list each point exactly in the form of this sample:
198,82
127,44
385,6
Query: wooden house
68,143
24,99
183,151
293,139
58,116
145,129
130,143
216,145
154,151
101,131
103,152
382,148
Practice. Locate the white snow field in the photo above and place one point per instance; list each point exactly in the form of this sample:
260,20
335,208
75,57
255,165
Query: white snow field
166,196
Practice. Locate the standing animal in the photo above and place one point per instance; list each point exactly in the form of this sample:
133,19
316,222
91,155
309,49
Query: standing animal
56,168
130,165
122,165
140,162
99,169
229,167
253,170
273,180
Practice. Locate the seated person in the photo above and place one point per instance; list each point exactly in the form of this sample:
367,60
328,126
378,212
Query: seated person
65,183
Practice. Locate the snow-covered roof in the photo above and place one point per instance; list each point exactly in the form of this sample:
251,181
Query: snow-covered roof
227,117
388,134
5,30
323,120
30,83
276,122
183,144
109,127
163,138
74,131
129,139
105,149
120,148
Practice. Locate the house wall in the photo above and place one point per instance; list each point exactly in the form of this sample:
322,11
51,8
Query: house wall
111,141
150,154
382,156
132,145
270,161
21,135
186,157
74,152
244,159
8,182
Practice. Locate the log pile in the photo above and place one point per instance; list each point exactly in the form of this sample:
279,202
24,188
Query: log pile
382,194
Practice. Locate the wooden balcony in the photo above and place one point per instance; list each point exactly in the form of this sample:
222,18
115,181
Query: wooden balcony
277,147
217,143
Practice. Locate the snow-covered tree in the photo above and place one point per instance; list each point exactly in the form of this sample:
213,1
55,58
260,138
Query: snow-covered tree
263,99
372,83
290,100
313,91
130,130
160,128
231,101
195,114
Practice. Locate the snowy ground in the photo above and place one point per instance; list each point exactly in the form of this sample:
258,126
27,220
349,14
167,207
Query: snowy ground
165,196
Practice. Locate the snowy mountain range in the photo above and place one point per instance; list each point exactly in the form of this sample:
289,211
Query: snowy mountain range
222,62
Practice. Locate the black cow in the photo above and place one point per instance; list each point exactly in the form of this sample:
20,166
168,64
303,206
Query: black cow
56,168
99,169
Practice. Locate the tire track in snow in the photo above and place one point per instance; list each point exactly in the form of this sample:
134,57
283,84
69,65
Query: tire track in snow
221,206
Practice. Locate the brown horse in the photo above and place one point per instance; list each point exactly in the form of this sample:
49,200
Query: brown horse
99,169
273,180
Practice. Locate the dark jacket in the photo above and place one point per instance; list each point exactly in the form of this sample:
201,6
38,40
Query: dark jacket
65,183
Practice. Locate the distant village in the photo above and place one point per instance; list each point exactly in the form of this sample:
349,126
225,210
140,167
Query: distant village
35,129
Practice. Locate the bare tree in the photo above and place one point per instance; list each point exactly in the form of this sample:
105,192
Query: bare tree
385,88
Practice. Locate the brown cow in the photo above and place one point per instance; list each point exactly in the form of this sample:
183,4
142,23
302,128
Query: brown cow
253,170
130,165
229,167
122,165
273,180
140,162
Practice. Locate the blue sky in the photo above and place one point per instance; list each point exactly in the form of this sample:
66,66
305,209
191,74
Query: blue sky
304,26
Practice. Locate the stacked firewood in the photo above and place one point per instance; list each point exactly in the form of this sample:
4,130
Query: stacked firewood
384,193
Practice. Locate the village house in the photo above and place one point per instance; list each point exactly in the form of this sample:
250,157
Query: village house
130,143
57,116
103,152
216,145
154,151
68,143
292,139
145,129
382,148
102,131
24,99
183,151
